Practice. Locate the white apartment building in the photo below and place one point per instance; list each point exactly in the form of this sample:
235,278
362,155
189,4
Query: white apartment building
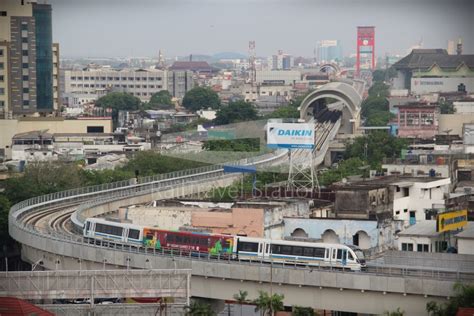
413,196
138,82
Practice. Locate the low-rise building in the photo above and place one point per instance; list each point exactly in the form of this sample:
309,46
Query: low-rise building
417,120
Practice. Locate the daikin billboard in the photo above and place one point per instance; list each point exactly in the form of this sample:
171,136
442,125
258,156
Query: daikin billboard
290,135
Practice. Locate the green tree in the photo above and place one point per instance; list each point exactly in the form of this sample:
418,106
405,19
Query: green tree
201,98
379,118
287,111
266,304
396,312
446,107
234,112
303,311
241,144
4,210
149,163
374,147
198,308
378,75
119,101
42,178
464,297
161,100
241,299
345,168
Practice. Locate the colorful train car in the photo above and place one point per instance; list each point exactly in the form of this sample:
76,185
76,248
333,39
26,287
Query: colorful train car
188,241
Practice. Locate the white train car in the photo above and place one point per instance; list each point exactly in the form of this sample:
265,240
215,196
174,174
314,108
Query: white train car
294,252
99,228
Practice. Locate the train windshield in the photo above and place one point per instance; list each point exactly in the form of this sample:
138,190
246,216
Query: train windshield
359,254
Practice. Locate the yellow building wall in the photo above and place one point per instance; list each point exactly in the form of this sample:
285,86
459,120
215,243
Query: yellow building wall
8,128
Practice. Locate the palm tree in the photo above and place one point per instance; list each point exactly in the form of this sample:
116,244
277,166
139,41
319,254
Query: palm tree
303,311
197,308
262,303
267,304
396,312
241,298
276,303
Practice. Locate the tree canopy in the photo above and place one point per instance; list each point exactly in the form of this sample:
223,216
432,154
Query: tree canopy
464,298
160,100
119,101
234,112
374,147
201,98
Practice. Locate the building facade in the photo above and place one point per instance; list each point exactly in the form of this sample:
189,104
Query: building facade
27,58
138,82
426,71
329,51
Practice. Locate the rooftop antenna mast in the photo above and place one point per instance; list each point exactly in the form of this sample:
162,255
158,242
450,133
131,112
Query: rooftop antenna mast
252,69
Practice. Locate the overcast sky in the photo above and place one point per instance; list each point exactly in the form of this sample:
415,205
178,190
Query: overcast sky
119,28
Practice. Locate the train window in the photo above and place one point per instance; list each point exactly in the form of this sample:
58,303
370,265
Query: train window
297,251
88,224
276,249
178,239
134,233
170,238
339,253
286,250
247,246
308,252
350,256
186,239
319,252
204,241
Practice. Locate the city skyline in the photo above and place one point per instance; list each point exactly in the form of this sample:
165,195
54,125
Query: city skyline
183,27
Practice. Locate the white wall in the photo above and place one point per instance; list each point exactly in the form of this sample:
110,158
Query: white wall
421,196
430,85
466,246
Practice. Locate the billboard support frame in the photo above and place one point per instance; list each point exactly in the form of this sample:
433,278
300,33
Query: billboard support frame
300,178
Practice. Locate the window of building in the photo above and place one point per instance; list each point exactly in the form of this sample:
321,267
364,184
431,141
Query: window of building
397,213
407,247
24,52
151,78
24,39
117,78
24,26
26,102
110,78
3,13
2,65
130,78
422,248
25,65
137,79
95,129
441,246
158,78
406,191
2,78
1,52
86,78
159,87
2,91
73,78
25,78
102,78
26,90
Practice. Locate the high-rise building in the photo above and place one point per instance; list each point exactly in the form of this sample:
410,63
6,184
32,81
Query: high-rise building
27,57
329,51
280,62
56,72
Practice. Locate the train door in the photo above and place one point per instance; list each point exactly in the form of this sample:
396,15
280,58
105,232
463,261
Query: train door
333,256
344,257
266,252
261,249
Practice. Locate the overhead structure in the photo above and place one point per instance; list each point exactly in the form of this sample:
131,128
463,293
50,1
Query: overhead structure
323,98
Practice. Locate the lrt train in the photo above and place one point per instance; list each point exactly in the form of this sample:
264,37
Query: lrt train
227,246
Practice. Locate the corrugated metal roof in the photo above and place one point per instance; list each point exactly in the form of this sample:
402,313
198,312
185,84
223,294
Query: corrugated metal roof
15,306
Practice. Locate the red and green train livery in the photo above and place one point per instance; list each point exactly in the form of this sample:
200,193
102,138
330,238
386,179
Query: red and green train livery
188,241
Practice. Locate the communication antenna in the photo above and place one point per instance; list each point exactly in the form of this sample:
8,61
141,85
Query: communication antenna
252,57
